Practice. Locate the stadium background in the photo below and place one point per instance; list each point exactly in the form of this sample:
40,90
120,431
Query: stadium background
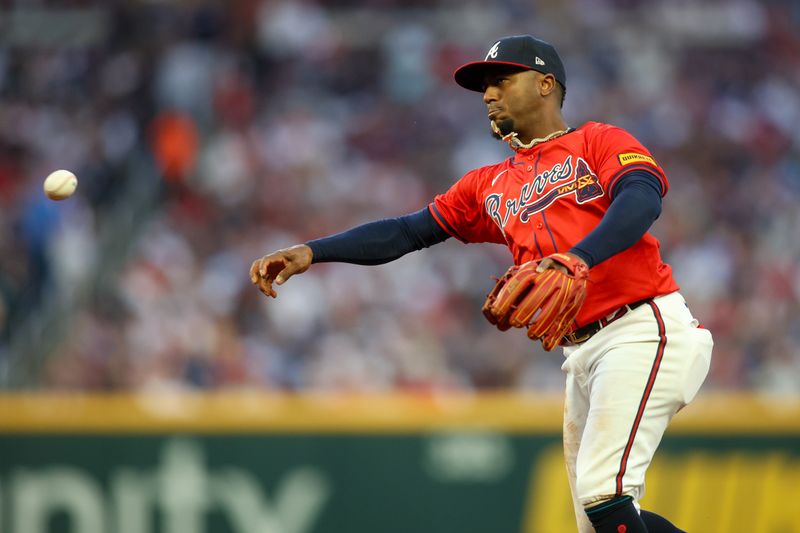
205,134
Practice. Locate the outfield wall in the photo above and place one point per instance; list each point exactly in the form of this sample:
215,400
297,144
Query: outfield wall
261,463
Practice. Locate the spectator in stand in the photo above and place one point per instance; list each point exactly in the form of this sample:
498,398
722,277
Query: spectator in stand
346,118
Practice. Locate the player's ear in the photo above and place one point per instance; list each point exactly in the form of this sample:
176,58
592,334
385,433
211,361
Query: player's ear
547,84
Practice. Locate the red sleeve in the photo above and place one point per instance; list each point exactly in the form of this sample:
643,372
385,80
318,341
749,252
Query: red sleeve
460,211
615,152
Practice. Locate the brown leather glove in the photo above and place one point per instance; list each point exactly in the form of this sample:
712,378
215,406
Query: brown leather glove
545,302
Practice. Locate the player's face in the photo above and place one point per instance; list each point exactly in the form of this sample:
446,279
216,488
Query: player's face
514,100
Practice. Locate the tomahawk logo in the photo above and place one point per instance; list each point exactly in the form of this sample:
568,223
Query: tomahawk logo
492,51
585,186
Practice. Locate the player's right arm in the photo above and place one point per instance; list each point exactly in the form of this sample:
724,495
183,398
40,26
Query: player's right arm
458,213
374,243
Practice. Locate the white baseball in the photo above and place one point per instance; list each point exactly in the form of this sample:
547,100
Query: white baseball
60,184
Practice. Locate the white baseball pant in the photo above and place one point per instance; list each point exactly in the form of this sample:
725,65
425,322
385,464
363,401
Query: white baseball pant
624,385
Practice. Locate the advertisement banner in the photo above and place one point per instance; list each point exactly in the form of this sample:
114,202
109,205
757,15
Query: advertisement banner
88,465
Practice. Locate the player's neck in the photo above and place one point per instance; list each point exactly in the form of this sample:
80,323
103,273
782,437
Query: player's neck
547,126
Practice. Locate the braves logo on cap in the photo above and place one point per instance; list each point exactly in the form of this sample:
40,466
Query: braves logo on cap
493,51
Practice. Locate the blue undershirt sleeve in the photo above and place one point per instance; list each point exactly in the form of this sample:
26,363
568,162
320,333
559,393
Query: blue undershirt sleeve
635,206
381,241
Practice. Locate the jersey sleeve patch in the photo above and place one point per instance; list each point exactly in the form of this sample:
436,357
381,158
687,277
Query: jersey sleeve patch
632,157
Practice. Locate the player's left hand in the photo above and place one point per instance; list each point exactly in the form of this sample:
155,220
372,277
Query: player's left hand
544,296
550,262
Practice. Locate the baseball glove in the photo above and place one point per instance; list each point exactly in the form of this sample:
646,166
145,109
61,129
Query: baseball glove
545,302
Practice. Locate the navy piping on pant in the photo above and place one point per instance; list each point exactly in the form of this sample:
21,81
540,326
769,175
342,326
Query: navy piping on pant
662,334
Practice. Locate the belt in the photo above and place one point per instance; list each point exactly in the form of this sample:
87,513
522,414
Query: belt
584,333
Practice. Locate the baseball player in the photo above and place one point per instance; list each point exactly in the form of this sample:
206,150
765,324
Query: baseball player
574,206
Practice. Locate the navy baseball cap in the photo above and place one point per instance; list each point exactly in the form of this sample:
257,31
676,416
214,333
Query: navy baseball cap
522,51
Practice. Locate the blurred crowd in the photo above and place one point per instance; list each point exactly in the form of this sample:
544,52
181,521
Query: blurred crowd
261,124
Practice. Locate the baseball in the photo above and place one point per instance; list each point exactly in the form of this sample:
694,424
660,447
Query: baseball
60,184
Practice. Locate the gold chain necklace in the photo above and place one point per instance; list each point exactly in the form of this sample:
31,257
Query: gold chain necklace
549,137
519,145
516,144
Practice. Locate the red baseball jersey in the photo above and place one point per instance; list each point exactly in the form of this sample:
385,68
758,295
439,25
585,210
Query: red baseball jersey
547,198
